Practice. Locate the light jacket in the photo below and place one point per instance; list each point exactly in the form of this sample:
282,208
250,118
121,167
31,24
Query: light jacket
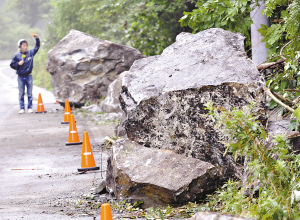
26,68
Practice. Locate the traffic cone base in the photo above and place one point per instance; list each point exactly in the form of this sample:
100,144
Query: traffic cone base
87,169
73,143
41,112
66,122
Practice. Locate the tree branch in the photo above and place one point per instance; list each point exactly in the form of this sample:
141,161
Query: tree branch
269,93
283,48
283,99
291,90
266,65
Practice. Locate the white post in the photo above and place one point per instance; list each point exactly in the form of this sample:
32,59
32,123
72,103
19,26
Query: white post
259,50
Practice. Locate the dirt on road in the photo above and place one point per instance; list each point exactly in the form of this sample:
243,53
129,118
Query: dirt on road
39,177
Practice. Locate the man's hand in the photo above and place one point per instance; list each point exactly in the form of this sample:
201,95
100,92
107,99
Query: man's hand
21,63
35,36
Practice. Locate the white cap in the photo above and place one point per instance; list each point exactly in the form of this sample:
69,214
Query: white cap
20,42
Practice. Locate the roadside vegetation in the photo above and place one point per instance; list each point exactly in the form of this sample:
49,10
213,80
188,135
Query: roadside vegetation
272,189
151,26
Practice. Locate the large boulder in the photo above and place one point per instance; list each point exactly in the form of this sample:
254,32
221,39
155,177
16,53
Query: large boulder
157,177
164,96
82,66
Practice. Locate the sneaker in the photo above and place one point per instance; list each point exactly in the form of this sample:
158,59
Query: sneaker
21,111
30,110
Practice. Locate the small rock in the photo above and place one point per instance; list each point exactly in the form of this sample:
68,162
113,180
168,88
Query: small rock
103,198
101,186
54,110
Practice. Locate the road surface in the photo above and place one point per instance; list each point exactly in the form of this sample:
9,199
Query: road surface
38,172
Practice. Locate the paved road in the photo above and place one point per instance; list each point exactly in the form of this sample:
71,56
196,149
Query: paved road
37,170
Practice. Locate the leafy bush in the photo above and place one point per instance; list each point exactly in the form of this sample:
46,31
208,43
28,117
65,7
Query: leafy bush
155,25
149,25
13,27
276,169
282,39
285,16
40,75
233,15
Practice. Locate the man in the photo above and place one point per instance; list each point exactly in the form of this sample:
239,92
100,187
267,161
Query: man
22,62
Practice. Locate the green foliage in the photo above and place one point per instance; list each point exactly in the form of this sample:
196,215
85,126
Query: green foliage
288,78
233,15
276,169
145,25
11,31
283,35
40,76
285,21
115,137
137,204
159,213
297,113
30,12
285,16
152,30
294,125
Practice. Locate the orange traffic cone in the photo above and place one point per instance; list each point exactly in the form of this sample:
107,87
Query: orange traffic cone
87,158
105,212
67,115
40,106
56,102
73,133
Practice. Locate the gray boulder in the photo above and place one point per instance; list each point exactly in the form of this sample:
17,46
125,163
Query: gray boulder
82,66
112,103
157,177
164,96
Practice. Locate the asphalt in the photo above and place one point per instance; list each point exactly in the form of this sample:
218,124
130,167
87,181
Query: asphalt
39,177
